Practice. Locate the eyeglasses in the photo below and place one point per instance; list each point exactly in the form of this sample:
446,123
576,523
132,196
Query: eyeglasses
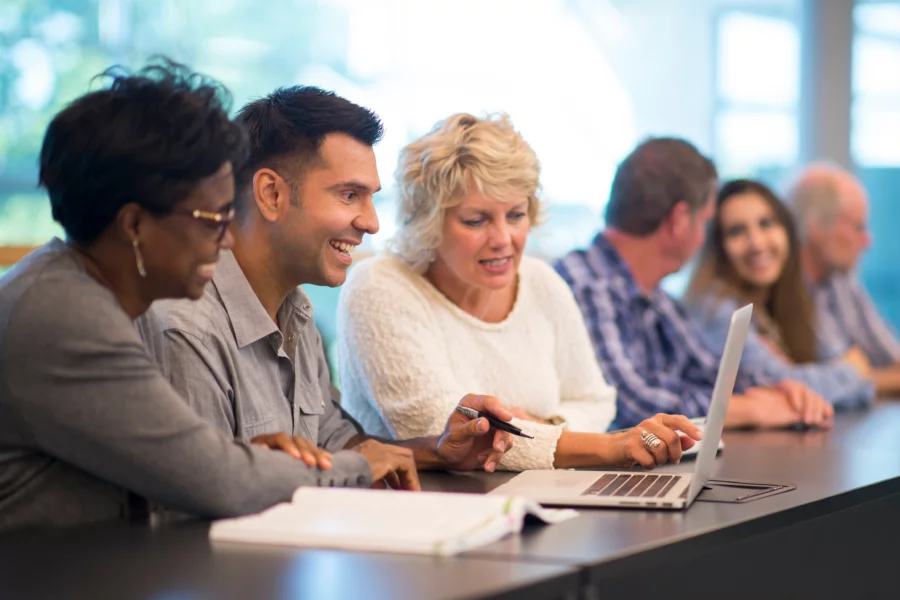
220,220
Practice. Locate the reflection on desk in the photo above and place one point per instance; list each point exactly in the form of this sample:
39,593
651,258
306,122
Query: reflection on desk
118,560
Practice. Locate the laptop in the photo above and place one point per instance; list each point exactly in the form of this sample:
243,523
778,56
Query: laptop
645,489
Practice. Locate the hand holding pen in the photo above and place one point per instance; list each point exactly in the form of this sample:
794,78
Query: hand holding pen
494,421
471,442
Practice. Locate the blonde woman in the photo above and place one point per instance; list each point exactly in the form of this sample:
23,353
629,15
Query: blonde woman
456,307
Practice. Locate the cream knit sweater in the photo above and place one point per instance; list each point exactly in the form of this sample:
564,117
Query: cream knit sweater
407,355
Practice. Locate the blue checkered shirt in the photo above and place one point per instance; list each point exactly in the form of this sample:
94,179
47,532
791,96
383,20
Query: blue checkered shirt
847,317
648,347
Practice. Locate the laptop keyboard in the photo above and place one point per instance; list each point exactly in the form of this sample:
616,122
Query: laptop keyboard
632,486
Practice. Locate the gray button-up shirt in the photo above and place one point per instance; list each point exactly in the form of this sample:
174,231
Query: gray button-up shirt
242,372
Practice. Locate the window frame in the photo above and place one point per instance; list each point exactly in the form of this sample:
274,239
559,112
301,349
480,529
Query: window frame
722,106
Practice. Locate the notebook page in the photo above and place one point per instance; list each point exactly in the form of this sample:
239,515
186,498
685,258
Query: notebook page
378,520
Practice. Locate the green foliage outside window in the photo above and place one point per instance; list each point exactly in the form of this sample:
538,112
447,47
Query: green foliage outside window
50,50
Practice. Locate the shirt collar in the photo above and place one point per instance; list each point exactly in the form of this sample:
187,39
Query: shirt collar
249,320
618,268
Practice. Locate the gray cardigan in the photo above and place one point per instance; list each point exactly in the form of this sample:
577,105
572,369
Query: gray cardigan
85,415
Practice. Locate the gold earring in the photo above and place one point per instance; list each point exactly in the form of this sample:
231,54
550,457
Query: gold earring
138,258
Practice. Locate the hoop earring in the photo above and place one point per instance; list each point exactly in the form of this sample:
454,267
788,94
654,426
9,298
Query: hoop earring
139,259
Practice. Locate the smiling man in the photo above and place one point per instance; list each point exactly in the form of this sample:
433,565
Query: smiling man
649,349
247,355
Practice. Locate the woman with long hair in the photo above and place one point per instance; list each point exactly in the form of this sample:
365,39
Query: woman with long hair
752,256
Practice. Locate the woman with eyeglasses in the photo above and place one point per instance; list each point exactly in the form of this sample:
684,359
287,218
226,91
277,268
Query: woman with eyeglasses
752,256
140,176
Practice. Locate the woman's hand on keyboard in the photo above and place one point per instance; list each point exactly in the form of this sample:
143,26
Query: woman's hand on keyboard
638,445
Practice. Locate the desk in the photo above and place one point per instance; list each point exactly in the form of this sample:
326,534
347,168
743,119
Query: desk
836,535
122,561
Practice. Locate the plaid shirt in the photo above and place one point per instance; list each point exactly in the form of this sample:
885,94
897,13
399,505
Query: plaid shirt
847,317
647,346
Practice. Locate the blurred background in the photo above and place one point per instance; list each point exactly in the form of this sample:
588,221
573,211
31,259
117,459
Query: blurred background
760,85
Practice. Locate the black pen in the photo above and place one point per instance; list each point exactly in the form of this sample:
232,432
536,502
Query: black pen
494,421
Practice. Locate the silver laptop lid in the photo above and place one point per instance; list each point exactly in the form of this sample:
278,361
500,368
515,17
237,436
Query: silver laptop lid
721,396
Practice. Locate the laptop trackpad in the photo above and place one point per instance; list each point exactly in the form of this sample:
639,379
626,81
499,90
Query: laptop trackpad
541,481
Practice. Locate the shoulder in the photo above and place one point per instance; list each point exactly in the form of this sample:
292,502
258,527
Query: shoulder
59,308
52,268
854,284
572,267
50,285
674,311
839,283
383,279
588,270
711,308
670,303
382,268
202,318
543,281
372,269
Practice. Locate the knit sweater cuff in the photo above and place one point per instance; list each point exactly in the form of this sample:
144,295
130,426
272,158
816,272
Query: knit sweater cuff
538,453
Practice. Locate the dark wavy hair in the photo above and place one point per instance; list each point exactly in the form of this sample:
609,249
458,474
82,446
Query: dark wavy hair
789,303
286,129
149,137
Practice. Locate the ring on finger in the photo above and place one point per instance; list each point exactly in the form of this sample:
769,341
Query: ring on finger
650,440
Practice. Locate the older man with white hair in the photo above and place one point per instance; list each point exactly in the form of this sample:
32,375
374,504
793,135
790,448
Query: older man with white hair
832,211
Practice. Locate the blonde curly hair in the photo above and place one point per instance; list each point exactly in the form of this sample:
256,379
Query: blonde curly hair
437,170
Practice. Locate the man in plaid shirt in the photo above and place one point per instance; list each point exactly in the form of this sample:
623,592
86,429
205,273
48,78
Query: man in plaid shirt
647,346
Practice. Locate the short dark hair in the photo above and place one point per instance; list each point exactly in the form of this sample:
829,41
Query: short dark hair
658,174
148,138
291,123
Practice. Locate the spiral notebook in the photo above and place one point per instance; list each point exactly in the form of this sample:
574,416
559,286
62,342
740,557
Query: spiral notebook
385,521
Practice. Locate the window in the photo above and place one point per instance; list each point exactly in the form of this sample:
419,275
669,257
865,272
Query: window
874,146
875,115
757,91
538,63
584,80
